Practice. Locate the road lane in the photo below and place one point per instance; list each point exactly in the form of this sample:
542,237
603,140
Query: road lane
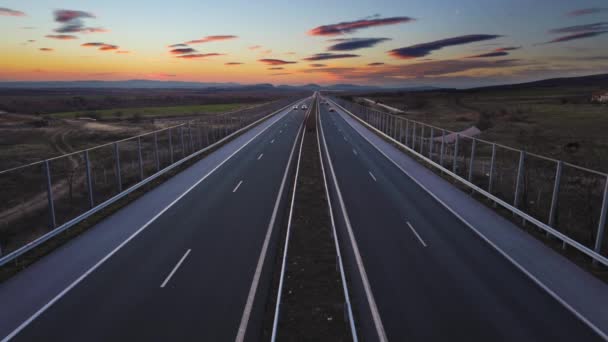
204,299
456,288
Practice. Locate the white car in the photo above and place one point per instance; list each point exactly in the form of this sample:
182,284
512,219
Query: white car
303,107
295,107
332,110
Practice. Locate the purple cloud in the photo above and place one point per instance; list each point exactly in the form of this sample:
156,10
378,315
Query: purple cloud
209,39
601,26
61,36
575,36
10,12
318,65
72,22
352,26
355,43
586,11
375,64
326,56
425,49
182,51
200,55
270,61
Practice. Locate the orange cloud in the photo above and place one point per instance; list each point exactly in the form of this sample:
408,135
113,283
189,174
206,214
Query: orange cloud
61,36
209,39
46,49
270,61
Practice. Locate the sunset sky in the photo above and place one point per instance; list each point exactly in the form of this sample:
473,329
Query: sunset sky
388,42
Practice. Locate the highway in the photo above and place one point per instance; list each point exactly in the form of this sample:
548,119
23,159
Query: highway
198,270
418,273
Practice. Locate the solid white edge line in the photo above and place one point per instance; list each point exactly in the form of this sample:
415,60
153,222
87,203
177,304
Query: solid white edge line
537,281
368,291
416,233
179,263
337,243
372,175
240,337
277,307
237,186
131,237
260,156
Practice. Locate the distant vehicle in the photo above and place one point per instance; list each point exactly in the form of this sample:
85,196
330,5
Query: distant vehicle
332,110
303,107
295,107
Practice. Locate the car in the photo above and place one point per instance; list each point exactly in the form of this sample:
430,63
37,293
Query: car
295,107
332,110
303,107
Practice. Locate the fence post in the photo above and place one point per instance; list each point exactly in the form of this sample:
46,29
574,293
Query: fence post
118,175
400,130
519,179
555,196
171,145
200,136
455,161
156,156
140,159
471,163
191,137
407,132
181,136
442,147
414,135
492,162
431,143
422,139
599,239
49,194
87,165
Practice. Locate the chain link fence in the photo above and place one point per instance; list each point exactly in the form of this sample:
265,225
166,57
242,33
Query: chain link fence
563,197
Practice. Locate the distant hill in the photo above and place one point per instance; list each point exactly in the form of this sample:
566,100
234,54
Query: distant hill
599,81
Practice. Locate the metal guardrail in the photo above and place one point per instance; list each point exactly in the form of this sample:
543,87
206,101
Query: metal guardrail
518,181
66,190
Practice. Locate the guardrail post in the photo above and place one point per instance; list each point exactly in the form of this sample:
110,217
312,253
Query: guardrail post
599,239
400,130
118,175
555,195
181,137
87,165
207,140
519,179
140,160
422,139
471,163
156,156
431,143
455,161
442,148
492,162
200,136
49,194
170,145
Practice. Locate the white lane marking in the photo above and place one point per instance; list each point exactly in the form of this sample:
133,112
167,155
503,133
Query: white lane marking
137,232
416,233
277,308
237,186
345,138
367,287
281,131
260,156
179,263
355,152
372,175
240,337
532,277
272,141
351,317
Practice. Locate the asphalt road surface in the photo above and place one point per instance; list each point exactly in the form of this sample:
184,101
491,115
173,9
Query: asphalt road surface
430,277
188,274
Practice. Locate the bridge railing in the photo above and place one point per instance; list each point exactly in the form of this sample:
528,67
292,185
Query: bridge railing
565,201
41,199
